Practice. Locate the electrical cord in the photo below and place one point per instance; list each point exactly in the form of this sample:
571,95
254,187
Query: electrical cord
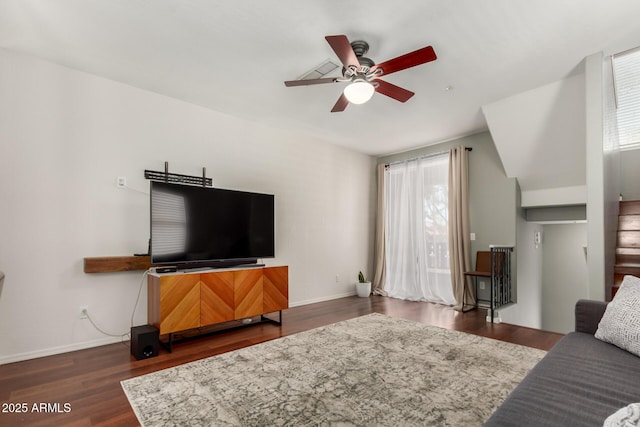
102,330
126,187
135,306
133,313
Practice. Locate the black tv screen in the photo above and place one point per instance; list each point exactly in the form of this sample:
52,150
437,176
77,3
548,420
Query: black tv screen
199,225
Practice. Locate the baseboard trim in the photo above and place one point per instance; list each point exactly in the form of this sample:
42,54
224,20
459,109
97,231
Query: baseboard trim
321,299
20,357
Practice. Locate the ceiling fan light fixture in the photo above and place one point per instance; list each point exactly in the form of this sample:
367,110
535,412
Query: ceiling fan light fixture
359,92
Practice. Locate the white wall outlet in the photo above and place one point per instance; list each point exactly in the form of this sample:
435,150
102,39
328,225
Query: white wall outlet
472,236
121,182
84,312
481,285
537,238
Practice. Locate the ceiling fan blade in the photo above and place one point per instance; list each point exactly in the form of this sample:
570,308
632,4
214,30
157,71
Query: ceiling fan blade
307,82
408,60
342,48
341,104
393,91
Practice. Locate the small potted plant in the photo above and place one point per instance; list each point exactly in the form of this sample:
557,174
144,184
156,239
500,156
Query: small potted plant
363,287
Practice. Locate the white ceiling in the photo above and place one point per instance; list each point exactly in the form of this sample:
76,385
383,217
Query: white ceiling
233,56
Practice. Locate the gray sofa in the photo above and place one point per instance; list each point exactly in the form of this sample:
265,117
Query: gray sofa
580,382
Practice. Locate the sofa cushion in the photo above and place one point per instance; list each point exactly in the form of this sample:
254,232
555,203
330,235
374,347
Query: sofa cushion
580,382
620,324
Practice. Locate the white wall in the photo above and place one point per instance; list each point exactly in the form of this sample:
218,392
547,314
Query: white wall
596,174
539,135
551,277
492,198
65,137
527,311
564,276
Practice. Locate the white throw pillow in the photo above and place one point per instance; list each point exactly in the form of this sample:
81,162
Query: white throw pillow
629,416
620,324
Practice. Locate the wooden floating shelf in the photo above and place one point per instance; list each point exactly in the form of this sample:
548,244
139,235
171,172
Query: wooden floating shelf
113,264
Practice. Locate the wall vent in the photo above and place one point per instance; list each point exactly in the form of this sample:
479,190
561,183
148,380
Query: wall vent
320,70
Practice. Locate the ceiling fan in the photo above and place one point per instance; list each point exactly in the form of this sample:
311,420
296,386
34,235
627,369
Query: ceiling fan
365,75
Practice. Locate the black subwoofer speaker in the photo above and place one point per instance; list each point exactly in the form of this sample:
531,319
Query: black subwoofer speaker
145,341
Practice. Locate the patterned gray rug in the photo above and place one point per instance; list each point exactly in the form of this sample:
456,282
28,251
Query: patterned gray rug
370,371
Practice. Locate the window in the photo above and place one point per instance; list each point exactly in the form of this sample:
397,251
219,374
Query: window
417,248
626,77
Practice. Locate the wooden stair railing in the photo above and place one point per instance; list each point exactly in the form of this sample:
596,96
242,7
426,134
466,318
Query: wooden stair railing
628,243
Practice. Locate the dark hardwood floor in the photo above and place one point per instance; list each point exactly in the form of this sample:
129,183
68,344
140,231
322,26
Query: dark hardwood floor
89,380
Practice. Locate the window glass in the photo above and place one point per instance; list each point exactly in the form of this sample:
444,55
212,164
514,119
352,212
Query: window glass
626,74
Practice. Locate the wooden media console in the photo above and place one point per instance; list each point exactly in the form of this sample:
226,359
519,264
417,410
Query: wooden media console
181,301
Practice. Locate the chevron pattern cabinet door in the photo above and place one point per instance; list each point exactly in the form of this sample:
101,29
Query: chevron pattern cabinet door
275,289
248,292
179,302
216,297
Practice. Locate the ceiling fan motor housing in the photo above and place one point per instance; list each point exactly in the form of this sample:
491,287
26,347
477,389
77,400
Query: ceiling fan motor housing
360,47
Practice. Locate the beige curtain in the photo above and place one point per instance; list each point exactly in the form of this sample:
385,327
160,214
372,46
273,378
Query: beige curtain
379,250
459,244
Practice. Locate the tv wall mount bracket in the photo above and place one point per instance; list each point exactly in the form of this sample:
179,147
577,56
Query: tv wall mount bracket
176,178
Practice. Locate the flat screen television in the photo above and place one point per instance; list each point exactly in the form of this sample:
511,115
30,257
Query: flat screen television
203,226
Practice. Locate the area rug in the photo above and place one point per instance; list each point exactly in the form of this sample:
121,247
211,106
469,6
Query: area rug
373,370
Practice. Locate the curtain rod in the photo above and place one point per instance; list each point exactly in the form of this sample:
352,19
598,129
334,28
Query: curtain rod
426,156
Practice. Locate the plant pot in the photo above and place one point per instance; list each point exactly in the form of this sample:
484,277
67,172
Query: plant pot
363,289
